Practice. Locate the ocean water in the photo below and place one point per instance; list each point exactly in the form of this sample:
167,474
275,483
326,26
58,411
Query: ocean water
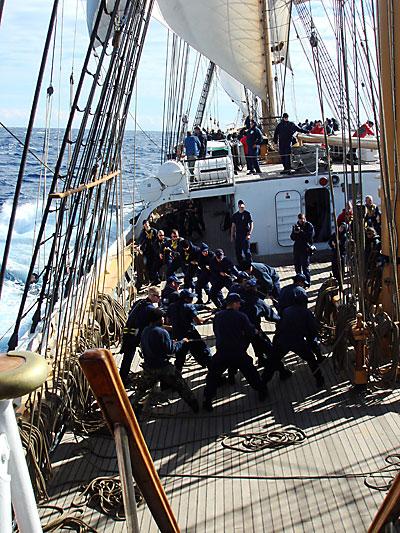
141,157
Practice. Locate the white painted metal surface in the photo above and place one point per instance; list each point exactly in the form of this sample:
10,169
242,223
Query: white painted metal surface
23,499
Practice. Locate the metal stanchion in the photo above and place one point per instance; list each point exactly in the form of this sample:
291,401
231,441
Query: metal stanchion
125,473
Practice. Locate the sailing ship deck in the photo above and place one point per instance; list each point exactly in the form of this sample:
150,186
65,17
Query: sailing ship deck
315,485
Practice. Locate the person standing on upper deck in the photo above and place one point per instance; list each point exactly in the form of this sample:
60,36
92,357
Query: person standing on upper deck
283,137
241,230
302,235
254,139
192,150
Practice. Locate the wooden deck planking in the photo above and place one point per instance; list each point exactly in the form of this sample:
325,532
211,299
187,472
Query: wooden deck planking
212,488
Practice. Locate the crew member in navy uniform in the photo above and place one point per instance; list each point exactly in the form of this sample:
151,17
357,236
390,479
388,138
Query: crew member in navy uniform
302,235
241,229
157,348
189,257
170,292
138,319
267,278
146,241
161,259
284,136
182,315
239,285
222,271
204,275
174,250
233,332
289,293
297,331
254,139
256,308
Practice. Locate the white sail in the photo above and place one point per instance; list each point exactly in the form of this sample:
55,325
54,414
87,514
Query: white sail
92,7
236,91
279,17
229,33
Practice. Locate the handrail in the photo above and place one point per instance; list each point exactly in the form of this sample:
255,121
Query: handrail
389,510
102,374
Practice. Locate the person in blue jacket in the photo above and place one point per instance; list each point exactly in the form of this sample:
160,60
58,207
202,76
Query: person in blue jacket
183,317
138,319
233,332
296,332
290,293
283,136
254,139
192,150
204,274
302,235
267,278
157,348
222,271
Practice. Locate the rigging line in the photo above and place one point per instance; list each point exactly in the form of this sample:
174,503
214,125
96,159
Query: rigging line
32,117
14,339
29,150
286,59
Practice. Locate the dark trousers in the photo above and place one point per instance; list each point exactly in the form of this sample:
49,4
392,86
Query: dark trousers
242,248
285,152
220,362
253,156
169,377
301,347
128,348
203,280
189,272
216,285
151,266
302,265
197,347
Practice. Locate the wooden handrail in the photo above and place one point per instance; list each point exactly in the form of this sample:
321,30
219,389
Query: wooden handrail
84,186
389,510
102,374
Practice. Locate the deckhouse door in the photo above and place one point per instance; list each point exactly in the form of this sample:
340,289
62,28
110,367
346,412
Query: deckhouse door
287,208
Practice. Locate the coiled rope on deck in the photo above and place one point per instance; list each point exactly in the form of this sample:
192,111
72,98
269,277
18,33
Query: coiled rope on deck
253,442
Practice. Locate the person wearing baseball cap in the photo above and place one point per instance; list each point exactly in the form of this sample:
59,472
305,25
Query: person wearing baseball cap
157,348
222,272
239,284
170,291
242,226
290,293
183,317
204,274
138,319
233,332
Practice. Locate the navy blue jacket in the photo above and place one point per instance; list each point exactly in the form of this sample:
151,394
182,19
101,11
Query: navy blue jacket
147,240
157,346
242,223
192,254
192,145
290,295
266,276
302,235
297,323
138,317
225,265
181,316
254,136
284,133
233,331
205,260
169,295
255,308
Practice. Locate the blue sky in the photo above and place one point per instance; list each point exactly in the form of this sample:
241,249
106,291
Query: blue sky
22,35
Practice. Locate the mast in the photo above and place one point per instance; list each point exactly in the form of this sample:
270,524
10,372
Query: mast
204,95
268,104
389,51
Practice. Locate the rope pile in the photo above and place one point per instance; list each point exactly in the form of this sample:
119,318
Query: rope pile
253,442
111,317
383,478
105,493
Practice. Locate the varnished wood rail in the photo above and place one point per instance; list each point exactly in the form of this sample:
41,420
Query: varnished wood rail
389,511
102,374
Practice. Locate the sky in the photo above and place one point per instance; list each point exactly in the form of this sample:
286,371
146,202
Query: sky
22,35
